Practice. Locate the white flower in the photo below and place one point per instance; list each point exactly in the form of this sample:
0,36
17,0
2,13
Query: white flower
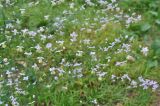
89,3
9,25
28,53
120,63
92,53
60,42
71,5
41,29
79,53
145,50
94,101
113,1
3,44
52,69
35,66
53,3
46,17
15,32
73,36
125,76
5,60
86,41
38,47
32,33
126,47
25,78
56,78
40,59
48,45
133,84
24,31
22,11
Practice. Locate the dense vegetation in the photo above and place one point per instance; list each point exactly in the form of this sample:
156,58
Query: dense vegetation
79,52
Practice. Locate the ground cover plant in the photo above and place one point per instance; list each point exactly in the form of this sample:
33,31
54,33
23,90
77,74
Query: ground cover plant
79,53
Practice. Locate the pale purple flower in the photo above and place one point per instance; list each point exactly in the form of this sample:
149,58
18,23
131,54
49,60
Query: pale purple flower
48,45
145,50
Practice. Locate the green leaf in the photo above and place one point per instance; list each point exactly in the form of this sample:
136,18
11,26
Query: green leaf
152,64
156,45
158,52
154,13
158,21
145,27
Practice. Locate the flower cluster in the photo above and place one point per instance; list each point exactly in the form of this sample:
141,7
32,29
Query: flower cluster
62,46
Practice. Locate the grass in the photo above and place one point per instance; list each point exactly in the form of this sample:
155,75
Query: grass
85,55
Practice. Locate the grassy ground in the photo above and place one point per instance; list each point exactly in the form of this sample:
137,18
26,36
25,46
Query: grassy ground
79,53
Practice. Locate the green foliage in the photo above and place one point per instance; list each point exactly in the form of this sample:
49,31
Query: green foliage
137,54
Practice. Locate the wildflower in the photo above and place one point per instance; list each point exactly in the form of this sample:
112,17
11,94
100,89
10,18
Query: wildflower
25,78
113,77
35,66
24,31
41,29
94,101
38,48
60,42
15,32
145,50
52,70
155,86
89,3
22,11
48,45
134,84
125,76
40,59
120,63
53,2
46,17
126,47
3,44
73,36
28,53
86,41
79,53
32,33
56,78
9,25
14,101
18,21
101,74
5,60
71,5
31,103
